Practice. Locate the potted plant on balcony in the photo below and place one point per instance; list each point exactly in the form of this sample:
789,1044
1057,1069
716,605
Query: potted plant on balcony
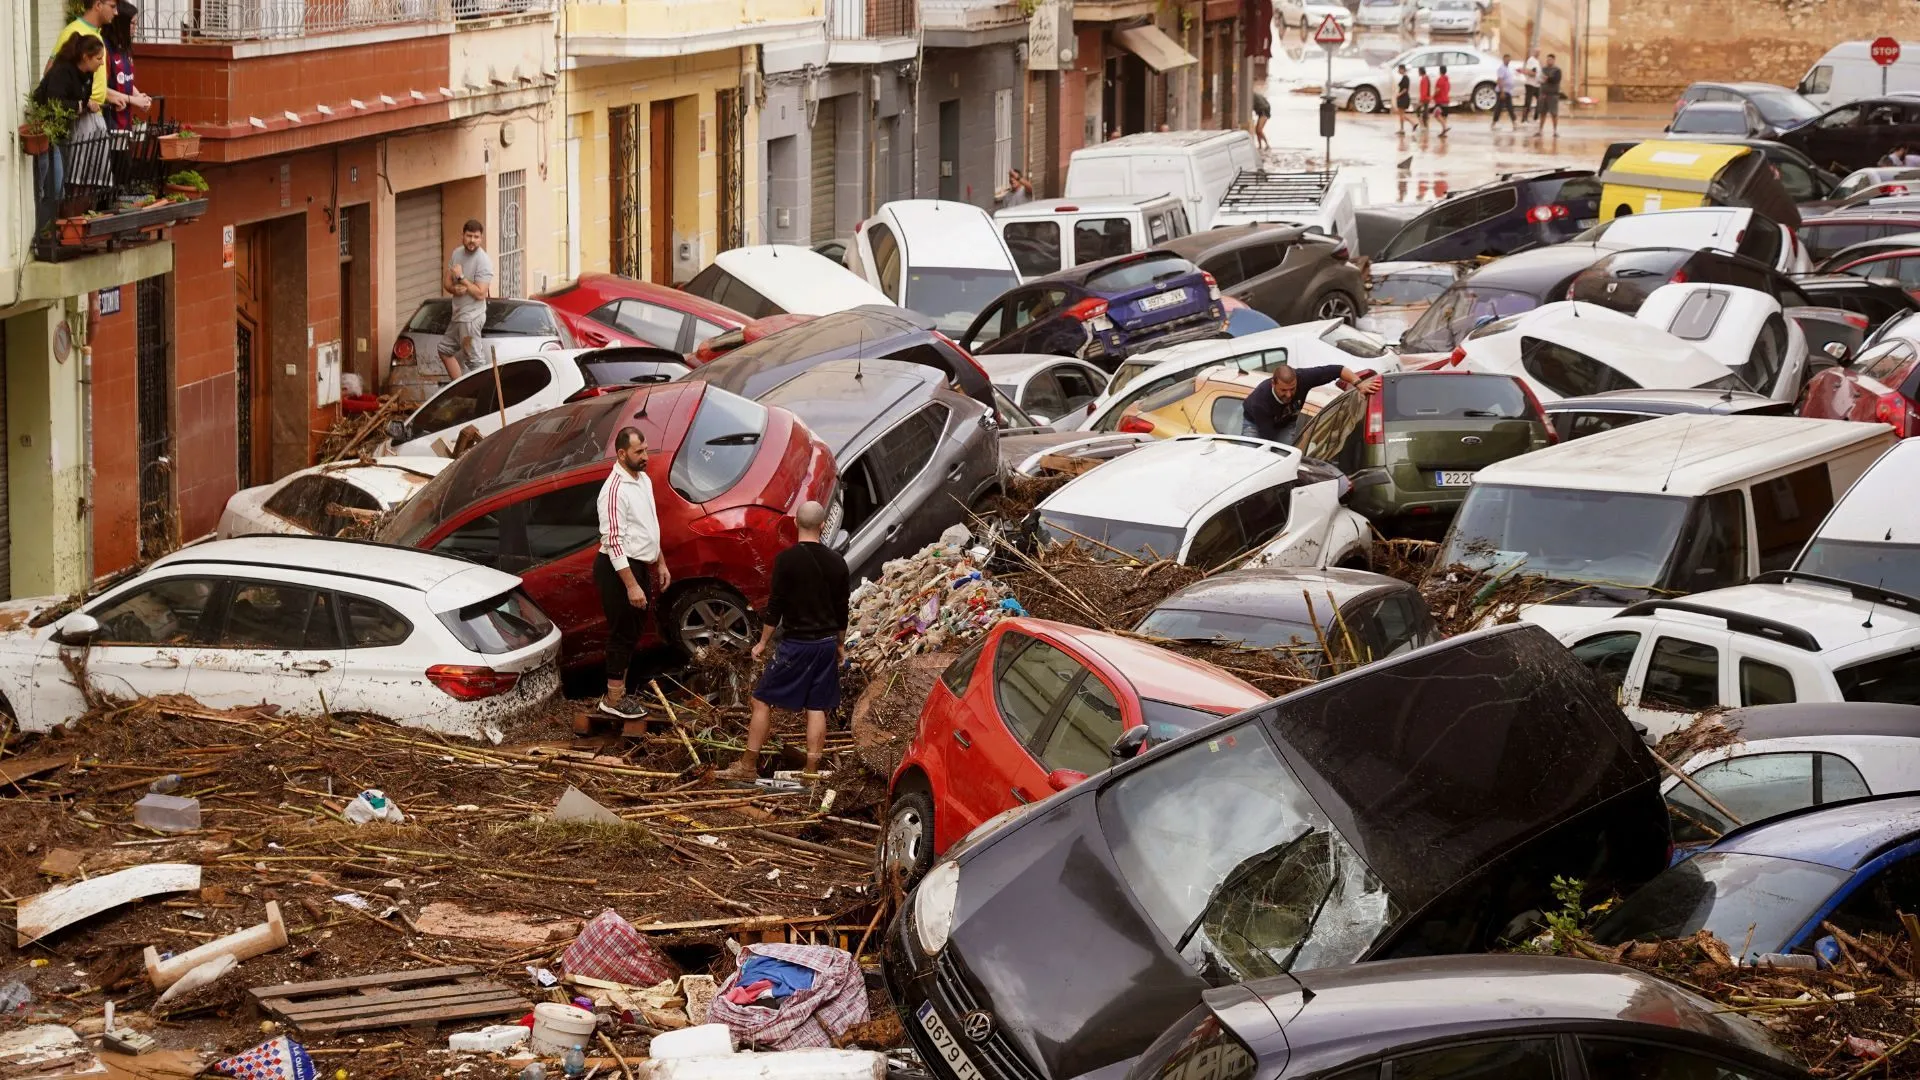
47,122
180,146
185,184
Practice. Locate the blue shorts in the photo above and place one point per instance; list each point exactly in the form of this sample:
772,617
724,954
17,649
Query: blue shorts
803,676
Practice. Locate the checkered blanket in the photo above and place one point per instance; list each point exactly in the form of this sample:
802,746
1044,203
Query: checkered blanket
279,1058
812,1017
610,948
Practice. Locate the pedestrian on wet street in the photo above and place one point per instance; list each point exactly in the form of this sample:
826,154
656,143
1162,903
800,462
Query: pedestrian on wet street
1262,112
1402,100
1442,94
1503,83
1550,76
1272,410
1530,77
629,573
1426,98
807,604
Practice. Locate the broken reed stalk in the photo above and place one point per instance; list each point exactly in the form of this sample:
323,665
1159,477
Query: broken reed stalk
674,719
1696,788
1353,651
625,1070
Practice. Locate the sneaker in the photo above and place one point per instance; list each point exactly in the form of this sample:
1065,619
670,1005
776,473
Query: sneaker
629,707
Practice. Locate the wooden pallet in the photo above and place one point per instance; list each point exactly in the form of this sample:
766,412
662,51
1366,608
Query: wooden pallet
422,997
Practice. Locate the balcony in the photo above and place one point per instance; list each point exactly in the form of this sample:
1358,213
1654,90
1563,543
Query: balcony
182,21
633,29
114,191
871,31
968,23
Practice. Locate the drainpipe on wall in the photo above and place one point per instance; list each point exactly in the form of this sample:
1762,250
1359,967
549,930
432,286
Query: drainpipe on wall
1533,32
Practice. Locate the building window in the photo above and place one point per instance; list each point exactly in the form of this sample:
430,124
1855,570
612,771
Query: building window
1002,136
513,200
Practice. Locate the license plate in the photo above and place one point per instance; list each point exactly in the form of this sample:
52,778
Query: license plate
1588,222
1164,300
1453,479
946,1046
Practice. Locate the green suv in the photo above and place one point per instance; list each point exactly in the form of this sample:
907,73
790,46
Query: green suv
1412,449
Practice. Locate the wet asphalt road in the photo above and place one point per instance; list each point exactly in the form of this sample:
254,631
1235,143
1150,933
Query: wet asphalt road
1420,167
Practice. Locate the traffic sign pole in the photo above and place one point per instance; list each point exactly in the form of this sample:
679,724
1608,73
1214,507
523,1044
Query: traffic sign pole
1885,52
1329,37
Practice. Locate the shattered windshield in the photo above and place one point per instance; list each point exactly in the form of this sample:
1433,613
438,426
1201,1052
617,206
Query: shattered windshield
1237,866
1458,310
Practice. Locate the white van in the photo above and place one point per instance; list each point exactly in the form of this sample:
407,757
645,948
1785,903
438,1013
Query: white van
1680,504
776,279
944,260
1847,73
1051,235
1198,166
1873,535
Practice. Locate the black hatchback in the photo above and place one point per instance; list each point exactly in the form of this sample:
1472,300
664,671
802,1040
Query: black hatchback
1508,215
1623,280
1420,805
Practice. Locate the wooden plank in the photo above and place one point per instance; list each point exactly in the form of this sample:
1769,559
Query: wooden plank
743,925
354,1004
389,978
1072,466
434,1015
14,770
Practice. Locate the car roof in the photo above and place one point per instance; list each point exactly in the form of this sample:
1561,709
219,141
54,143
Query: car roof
1758,722
1631,345
1015,367
1282,593
1838,621
1688,400
1208,351
1080,275
1093,204
1530,269
1843,835
1879,508
1433,996
1159,140
1684,455
841,400
799,280
1748,86
389,479
447,581
1169,483
758,366
1194,245
964,234
610,286
1155,673
1716,106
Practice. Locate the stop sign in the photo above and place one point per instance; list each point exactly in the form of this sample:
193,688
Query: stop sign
1885,51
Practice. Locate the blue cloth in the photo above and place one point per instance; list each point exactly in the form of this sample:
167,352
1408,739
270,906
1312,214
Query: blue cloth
787,978
803,676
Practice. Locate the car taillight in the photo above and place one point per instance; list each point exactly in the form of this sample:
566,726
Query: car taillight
1679,277
464,683
1377,417
403,348
1136,425
1087,310
1539,411
1458,355
1066,209
1540,215
593,392
1896,412
1213,287
1856,320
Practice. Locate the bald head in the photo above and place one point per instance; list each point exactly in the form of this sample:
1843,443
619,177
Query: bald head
809,518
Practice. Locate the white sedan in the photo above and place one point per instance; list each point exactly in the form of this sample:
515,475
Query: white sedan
1055,391
1571,349
488,400
327,500
1470,71
313,625
1309,14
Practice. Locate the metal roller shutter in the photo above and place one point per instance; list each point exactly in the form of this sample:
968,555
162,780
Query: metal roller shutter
826,134
419,250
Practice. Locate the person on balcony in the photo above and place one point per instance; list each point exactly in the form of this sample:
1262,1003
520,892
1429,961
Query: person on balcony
94,16
123,97
68,81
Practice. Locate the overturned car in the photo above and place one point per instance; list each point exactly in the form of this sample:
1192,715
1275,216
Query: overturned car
1422,805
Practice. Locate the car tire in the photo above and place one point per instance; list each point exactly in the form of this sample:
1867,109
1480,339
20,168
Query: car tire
705,615
1335,304
1485,97
1366,100
905,850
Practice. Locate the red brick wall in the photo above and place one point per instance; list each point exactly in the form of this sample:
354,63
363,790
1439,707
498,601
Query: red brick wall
205,85
116,461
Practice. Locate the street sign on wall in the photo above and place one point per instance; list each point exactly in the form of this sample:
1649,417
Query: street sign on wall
1050,42
1885,51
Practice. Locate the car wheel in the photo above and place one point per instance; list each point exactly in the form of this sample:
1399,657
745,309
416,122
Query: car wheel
1366,100
708,615
1336,305
1485,97
906,847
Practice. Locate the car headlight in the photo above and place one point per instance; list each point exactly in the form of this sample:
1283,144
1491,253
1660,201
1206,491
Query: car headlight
933,904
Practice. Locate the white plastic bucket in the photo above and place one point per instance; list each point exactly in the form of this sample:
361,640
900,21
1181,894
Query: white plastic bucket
810,1064
705,1040
559,1028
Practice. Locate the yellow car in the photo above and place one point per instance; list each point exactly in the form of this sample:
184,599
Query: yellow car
1209,403
1668,174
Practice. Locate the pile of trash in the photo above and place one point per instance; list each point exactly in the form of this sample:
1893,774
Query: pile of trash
937,599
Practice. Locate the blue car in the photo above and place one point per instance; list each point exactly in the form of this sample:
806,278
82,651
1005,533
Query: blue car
1767,888
1103,312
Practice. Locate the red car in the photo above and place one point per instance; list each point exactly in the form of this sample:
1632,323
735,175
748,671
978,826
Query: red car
721,344
1882,386
607,309
727,474
1032,708
1899,268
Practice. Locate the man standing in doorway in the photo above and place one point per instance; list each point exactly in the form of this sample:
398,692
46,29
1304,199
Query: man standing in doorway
1442,94
808,605
1272,410
1503,84
468,278
1550,77
629,573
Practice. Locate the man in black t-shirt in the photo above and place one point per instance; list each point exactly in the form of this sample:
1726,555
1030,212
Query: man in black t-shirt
808,604
1272,410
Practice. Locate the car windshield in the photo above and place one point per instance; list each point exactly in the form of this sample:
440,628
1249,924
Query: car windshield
1248,631
1353,342
1618,541
1455,397
953,297
1135,273
1458,310
1710,120
1155,542
1782,108
1408,288
721,444
515,319
1235,864
1739,897
1893,567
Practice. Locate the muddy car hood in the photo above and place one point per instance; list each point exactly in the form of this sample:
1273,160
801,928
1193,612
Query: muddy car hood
16,616
1435,766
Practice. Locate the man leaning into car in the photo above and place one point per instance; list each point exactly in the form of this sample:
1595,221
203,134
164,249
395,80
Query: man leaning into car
1272,411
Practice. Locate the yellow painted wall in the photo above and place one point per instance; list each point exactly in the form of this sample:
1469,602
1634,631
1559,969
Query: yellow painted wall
586,95
672,18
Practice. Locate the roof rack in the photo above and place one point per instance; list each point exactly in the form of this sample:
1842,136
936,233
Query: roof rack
1257,189
1781,632
1871,593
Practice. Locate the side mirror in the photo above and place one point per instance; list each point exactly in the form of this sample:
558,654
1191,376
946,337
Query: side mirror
76,629
1062,779
1129,744
842,539
397,430
1839,351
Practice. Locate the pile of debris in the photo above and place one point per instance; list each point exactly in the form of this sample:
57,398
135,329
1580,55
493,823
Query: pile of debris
937,599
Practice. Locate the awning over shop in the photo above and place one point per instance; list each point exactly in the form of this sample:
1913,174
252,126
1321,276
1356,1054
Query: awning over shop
1161,52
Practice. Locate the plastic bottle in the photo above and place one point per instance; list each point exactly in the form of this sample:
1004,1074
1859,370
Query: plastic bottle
165,784
575,1062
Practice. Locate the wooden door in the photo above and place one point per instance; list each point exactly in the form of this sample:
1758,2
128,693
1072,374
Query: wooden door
252,382
660,166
